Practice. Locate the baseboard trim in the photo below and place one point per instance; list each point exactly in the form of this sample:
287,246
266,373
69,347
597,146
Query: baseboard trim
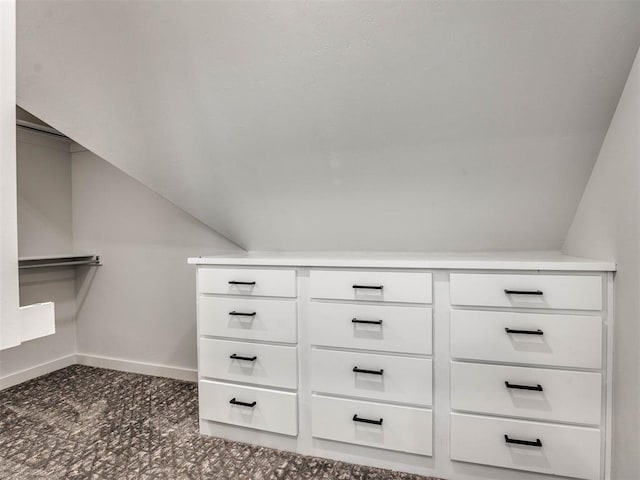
36,371
186,374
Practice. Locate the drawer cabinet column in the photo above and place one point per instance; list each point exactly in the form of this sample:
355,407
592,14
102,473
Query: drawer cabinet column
371,375
526,373
248,354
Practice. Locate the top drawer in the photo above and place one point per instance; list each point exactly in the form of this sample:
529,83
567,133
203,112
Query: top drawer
577,292
409,287
247,281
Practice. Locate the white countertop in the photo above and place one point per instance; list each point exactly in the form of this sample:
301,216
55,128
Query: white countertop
449,261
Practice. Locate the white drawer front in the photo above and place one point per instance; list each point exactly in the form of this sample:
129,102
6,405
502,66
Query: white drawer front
565,450
271,365
560,396
273,411
567,340
247,281
403,329
414,287
580,292
406,429
274,320
397,379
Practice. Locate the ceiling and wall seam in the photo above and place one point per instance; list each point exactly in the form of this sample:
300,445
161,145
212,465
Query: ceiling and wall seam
319,127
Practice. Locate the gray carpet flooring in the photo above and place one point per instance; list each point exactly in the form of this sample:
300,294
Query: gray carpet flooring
91,423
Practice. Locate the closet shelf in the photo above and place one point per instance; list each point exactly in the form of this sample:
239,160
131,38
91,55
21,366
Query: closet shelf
51,261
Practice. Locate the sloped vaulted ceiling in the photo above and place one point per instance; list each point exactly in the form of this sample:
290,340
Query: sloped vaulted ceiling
341,125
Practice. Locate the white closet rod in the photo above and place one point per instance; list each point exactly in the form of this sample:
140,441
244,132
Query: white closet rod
49,262
39,128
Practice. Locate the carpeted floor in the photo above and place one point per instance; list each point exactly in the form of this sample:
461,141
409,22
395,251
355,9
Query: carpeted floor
91,423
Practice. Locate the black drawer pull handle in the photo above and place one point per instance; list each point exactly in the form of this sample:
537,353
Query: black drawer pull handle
524,292
537,443
537,388
242,314
233,401
368,322
369,287
238,357
372,372
524,332
233,282
366,420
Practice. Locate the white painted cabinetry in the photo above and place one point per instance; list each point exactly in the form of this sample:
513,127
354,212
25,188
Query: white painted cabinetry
569,451
527,392
547,339
371,285
371,327
375,376
244,341
371,378
379,425
251,407
568,396
497,371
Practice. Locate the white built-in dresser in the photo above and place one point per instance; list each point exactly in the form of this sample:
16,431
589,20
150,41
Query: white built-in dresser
465,367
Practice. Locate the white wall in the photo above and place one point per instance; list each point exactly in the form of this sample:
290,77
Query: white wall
44,227
44,195
10,333
341,125
607,226
139,306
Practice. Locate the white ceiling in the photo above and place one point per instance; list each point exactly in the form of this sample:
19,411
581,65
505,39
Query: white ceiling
341,125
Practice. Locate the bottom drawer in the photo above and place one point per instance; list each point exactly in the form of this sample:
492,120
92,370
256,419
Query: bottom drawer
391,427
552,449
251,407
